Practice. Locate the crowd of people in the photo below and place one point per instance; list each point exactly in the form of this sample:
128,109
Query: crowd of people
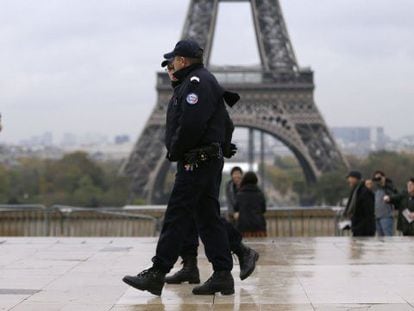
372,203
371,206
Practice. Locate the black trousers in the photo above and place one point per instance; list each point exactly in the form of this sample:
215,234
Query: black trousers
194,199
191,243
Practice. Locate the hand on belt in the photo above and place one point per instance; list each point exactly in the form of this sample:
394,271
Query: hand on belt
194,157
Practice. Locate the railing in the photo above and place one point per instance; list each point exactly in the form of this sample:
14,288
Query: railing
304,221
23,220
255,76
58,220
283,221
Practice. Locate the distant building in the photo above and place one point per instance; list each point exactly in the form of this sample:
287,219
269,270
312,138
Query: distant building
122,139
44,140
360,140
69,140
93,139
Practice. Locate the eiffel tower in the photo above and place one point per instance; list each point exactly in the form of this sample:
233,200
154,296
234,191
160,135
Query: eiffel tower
276,99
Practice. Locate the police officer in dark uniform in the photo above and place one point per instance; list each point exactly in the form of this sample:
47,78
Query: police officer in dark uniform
195,130
247,257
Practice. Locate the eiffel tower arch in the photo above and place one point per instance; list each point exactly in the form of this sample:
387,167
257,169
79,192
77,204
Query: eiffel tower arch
277,99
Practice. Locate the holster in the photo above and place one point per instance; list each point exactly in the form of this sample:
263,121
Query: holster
197,156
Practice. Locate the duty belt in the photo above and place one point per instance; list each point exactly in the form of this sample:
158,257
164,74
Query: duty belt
197,156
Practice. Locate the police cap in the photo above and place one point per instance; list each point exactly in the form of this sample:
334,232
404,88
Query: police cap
185,48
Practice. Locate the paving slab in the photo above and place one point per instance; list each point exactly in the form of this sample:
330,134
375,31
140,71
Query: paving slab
292,274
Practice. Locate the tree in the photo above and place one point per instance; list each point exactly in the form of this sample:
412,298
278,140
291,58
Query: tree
331,188
73,180
397,166
4,185
87,193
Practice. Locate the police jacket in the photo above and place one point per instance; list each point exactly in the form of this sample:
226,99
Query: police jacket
196,115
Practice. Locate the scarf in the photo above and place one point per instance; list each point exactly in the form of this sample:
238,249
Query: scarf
351,205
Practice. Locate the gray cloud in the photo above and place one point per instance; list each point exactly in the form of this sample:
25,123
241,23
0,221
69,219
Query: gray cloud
78,66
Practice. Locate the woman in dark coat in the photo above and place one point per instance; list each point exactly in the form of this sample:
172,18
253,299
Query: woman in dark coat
250,208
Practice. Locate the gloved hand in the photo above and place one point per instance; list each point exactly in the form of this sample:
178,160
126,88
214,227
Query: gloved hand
230,151
191,158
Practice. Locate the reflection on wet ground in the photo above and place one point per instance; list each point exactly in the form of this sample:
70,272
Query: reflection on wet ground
292,274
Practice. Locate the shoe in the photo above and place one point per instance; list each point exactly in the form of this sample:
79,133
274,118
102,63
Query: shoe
151,280
189,273
247,260
220,281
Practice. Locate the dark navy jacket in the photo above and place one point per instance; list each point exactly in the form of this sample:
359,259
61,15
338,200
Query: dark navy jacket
196,115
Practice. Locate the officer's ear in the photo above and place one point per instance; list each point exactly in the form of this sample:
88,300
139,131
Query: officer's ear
180,60
190,61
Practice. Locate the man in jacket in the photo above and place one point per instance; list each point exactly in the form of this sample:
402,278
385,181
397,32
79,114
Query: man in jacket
232,188
360,207
383,210
405,204
195,131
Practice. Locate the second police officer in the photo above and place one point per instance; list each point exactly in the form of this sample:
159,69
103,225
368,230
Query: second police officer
247,257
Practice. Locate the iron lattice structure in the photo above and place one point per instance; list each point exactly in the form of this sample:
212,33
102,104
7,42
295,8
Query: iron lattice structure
276,98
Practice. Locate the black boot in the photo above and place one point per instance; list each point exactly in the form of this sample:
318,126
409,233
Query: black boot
189,273
247,260
220,281
151,280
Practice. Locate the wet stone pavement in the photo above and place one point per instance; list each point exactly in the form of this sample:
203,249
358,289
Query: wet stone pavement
292,274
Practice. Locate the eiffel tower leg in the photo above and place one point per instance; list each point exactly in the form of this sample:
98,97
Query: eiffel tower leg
250,149
290,115
147,155
200,24
147,165
262,160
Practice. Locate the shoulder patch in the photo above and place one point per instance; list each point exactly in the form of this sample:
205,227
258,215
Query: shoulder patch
192,98
195,79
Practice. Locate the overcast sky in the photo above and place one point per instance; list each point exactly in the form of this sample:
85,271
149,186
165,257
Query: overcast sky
89,65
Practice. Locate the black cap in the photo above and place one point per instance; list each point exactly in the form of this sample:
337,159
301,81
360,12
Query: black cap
185,48
354,174
165,62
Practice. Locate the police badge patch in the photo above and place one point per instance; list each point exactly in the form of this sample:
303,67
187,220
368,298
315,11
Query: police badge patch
192,99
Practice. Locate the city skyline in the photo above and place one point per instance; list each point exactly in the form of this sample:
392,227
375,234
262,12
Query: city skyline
89,66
